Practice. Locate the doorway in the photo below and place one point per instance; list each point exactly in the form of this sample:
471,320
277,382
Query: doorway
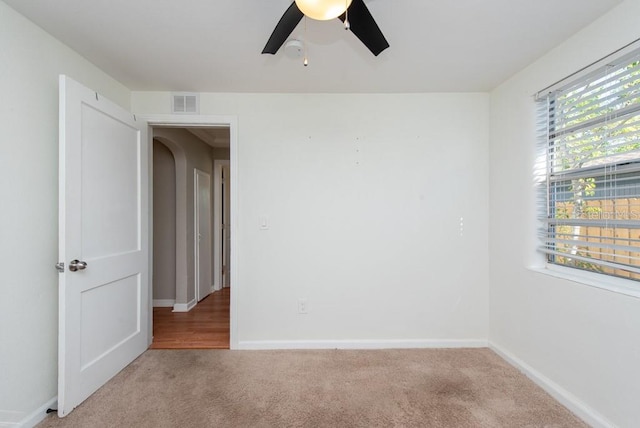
208,314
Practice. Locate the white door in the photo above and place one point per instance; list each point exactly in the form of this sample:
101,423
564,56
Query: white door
226,230
202,219
104,296
222,237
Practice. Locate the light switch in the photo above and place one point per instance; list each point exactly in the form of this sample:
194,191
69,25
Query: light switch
264,223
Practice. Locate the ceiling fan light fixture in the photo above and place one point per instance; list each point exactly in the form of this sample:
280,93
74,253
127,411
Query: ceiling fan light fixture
294,48
323,10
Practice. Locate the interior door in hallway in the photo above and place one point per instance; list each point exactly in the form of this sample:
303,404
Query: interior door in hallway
202,223
104,298
222,218
226,230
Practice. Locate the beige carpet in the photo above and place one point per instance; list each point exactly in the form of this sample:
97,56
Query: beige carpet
331,388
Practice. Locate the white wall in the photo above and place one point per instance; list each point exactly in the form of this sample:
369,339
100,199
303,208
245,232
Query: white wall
364,195
30,61
585,340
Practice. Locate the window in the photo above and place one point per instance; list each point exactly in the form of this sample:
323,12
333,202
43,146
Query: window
590,204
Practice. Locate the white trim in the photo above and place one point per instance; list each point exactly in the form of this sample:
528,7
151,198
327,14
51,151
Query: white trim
217,222
177,121
150,237
217,256
564,397
185,307
232,123
9,419
163,303
235,281
196,250
17,419
610,283
361,344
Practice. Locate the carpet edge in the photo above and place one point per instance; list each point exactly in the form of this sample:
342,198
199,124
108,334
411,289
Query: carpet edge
576,406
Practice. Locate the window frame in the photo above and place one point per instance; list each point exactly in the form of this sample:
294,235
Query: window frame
630,165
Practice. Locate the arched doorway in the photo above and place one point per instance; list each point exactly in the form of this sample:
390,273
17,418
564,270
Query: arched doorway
164,226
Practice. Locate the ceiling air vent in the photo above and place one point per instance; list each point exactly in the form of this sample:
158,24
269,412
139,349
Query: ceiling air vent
185,103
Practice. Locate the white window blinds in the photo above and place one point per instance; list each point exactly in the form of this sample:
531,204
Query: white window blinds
591,144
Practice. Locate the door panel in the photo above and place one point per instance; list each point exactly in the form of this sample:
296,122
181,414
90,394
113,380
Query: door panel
103,222
98,303
110,165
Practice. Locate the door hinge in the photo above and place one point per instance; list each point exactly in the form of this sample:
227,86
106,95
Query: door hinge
60,267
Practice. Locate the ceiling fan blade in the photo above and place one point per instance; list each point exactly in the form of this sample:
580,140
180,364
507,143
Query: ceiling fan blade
285,27
365,28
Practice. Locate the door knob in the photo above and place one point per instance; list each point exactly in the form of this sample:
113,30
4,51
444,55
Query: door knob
75,265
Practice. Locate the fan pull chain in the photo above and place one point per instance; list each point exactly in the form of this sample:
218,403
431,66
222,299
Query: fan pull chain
305,62
347,24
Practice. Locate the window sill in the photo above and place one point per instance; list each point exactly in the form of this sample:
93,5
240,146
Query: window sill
609,283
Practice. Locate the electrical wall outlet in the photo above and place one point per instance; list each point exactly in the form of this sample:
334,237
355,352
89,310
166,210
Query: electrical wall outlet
303,306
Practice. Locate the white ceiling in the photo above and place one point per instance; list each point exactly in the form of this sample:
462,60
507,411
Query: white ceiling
216,137
215,45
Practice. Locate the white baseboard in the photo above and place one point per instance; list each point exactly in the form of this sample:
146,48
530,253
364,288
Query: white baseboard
360,344
184,307
570,401
9,419
163,303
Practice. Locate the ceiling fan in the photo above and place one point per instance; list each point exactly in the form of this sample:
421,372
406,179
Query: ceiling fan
354,14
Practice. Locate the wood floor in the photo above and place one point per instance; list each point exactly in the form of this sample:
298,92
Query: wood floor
204,327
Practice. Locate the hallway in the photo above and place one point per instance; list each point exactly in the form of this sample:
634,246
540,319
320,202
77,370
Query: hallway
206,326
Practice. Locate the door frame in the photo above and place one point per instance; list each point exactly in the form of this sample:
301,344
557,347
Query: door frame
217,222
231,122
198,176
